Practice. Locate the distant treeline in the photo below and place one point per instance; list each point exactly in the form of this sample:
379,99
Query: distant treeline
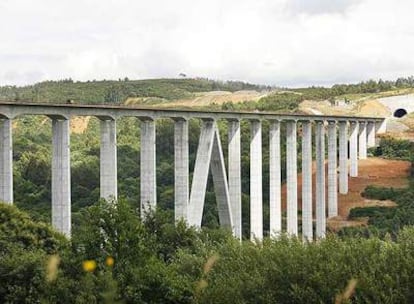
370,86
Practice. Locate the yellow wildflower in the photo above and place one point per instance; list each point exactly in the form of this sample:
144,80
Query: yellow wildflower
89,265
110,261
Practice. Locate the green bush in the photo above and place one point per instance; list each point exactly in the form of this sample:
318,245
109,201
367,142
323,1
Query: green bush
381,193
395,149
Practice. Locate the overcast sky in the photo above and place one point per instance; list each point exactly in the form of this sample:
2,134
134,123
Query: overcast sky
277,42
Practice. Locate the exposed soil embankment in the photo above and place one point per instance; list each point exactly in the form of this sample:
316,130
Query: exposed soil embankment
372,171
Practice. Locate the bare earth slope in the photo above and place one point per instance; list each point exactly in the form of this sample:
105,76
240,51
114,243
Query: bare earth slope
204,99
372,171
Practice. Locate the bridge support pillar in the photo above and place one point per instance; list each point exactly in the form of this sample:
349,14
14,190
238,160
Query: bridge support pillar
148,170
256,200
61,201
6,161
108,160
307,226
343,157
370,134
362,140
234,159
291,178
381,126
332,170
275,205
210,155
181,181
353,149
320,180
220,181
200,174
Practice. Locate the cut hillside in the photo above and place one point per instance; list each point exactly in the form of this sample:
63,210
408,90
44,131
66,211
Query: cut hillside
202,99
372,108
366,105
314,107
79,124
218,98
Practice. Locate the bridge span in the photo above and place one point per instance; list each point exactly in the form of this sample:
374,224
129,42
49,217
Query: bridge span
358,132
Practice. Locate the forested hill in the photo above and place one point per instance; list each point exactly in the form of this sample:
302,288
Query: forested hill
111,91
118,91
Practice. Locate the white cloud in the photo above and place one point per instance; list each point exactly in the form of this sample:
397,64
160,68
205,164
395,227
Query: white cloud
321,6
283,42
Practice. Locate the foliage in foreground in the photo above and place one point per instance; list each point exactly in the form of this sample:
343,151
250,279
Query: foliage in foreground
156,262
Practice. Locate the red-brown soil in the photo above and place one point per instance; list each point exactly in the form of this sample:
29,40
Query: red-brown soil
372,171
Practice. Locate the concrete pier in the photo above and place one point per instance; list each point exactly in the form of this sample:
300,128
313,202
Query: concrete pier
275,204
332,170
362,140
6,161
343,157
320,180
307,224
234,164
61,199
209,155
221,188
371,134
201,170
256,201
381,126
353,149
148,169
291,178
181,170
108,160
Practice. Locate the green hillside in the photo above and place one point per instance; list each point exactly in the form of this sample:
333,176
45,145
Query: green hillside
109,91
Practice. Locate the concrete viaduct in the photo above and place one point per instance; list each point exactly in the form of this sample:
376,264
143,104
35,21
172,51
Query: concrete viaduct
359,131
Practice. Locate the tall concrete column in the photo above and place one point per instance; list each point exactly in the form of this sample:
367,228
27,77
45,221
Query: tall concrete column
200,174
234,159
256,201
381,126
108,160
221,187
181,170
343,157
307,227
320,180
353,149
6,161
275,205
332,170
61,208
362,140
291,178
370,134
148,170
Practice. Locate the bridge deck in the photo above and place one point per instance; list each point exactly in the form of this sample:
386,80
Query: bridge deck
15,109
